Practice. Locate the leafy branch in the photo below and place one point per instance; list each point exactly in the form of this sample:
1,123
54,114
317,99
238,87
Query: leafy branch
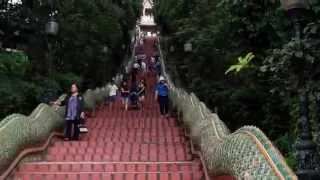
243,63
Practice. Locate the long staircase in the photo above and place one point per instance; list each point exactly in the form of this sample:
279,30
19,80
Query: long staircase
131,145
120,145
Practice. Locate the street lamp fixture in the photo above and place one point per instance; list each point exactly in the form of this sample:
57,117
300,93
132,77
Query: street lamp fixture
187,47
172,48
52,27
105,49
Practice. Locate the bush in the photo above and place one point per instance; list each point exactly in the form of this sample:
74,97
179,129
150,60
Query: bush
285,144
23,96
16,96
46,89
65,80
13,64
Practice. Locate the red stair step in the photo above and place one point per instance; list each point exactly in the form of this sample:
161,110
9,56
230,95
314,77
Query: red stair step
121,152
130,124
133,139
179,141
109,176
133,134
98,130
48,167
133,123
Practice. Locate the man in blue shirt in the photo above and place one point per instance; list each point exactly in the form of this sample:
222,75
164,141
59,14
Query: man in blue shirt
162,96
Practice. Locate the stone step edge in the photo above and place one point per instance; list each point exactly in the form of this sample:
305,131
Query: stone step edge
89,172
139,144
108,162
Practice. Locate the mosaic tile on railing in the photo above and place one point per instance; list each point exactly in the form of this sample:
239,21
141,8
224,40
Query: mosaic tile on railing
223,130
25,130
9,118
198,130
273,153
235,157
195,116
239,153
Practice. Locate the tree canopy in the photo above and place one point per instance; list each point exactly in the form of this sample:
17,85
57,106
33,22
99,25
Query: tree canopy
91,44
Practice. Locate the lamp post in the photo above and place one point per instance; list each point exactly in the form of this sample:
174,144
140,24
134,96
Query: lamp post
187,47
317,116
171,49
306,150
105,51
51,28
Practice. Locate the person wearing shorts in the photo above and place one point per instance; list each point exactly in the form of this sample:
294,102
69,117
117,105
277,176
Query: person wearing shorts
125,92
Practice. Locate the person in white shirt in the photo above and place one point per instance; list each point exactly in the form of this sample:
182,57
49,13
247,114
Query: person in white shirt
143,67
112,93
136,65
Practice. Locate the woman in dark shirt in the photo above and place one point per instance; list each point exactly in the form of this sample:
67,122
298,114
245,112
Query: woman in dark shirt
142,92
74,112
125,93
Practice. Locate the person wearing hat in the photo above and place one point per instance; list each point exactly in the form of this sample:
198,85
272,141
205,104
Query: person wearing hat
162,96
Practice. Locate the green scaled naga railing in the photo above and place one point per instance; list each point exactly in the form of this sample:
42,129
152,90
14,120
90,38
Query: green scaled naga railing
245,154
18,131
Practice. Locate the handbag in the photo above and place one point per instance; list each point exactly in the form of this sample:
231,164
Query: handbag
82,127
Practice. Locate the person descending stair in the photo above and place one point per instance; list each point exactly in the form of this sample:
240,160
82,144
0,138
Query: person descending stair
162,96
142,93
125,93
113,89
158,68
134,97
